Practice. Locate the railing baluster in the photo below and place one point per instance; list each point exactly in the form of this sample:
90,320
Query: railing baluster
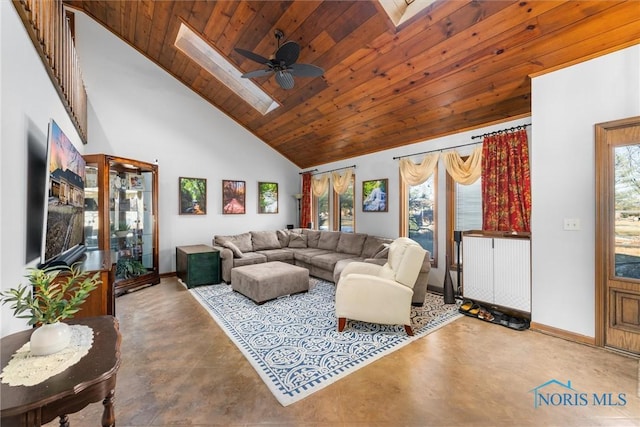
50,33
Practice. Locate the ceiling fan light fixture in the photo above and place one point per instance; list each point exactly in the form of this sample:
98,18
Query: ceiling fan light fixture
283,63
284,79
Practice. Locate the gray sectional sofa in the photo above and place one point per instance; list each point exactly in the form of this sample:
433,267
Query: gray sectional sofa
323,253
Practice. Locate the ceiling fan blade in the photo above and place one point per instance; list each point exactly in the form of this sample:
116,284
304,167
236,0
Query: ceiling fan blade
306,70
284,79
288,53
257,73
252,56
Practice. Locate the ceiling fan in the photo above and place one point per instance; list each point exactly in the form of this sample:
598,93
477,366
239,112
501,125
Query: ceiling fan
282,63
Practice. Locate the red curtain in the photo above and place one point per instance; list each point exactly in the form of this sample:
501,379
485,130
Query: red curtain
305,216
506,182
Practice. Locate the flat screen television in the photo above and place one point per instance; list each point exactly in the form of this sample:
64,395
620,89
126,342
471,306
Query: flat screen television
63,237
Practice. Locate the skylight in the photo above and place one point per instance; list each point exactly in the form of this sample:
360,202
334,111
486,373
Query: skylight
196,48
401,11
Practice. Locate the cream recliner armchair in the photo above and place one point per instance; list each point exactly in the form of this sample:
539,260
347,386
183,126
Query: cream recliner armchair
381,293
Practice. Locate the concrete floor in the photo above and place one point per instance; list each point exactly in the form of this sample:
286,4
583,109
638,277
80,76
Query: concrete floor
179,368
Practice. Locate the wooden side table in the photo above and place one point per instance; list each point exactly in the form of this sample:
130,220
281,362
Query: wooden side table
198,265
92,379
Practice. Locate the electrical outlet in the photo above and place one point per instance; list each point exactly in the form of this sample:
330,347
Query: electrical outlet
572,224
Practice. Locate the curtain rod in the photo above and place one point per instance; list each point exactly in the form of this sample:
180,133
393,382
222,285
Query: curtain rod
439,149
309,171
471,143
496,132
332,170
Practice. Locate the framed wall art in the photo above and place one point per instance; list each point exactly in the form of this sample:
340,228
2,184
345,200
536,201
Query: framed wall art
233,197
193,196
374,195
267,197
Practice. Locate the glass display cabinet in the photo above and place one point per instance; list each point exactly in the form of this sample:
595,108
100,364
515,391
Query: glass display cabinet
121,216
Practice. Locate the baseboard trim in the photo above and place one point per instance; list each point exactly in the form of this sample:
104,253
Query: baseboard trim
561,333
169,274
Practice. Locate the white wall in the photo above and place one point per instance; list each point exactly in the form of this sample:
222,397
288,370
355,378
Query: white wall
28,101
138,111
565,106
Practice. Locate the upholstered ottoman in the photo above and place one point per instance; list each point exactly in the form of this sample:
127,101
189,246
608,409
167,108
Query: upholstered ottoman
269,280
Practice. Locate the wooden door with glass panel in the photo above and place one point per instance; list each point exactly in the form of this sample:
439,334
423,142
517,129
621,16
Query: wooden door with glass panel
618,234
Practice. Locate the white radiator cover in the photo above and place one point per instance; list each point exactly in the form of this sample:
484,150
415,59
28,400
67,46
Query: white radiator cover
497,270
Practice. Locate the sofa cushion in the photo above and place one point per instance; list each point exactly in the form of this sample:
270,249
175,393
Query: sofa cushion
329,240
283,255
297,240
313,236
305,254
242,241
328,261
283,237
237,253
351,243
372,245
264,240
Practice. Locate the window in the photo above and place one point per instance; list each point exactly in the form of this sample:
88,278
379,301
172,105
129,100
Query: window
336,212
321,212
401,11
344,208
468,206
464,211
201,52
418,213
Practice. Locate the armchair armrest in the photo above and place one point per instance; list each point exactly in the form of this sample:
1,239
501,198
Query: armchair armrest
357,267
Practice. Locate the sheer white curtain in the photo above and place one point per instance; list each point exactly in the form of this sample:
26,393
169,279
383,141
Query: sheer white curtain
464,171
341,182
415,174
319,184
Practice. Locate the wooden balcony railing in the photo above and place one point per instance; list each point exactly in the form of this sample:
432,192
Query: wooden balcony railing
48,27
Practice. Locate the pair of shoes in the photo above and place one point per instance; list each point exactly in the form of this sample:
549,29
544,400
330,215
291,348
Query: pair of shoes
517,324
469,308
475,309
466,306
500,318
485,314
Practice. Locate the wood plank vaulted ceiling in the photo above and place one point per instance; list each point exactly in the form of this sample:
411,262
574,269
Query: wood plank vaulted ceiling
457,65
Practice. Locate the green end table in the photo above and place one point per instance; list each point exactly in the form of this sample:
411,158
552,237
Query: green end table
198,265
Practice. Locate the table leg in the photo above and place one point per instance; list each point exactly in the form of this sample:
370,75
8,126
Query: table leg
64,421
109,415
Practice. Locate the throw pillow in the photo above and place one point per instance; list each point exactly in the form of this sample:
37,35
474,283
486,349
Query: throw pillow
383,251
283,237
237,253
297,240
242,241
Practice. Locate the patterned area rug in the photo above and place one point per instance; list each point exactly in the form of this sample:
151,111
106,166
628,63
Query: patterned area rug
293,342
